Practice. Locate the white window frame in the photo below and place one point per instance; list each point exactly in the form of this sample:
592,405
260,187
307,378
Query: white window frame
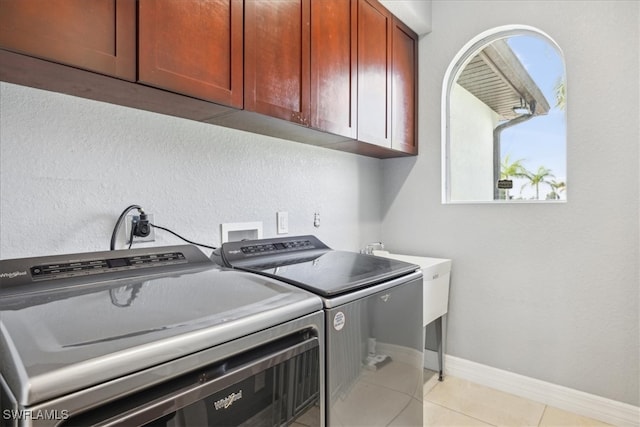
460,60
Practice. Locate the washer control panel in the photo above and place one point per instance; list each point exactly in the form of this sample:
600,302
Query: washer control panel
97,266
24,271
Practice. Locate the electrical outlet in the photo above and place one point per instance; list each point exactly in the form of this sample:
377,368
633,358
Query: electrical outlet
282,220
129,221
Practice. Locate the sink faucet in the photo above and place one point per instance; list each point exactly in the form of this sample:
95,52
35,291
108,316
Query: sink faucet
369,248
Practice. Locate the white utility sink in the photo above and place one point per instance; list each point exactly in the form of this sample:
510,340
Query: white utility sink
436,272
435,297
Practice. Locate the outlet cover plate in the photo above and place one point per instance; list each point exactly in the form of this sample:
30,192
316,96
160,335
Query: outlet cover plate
127,222
236,231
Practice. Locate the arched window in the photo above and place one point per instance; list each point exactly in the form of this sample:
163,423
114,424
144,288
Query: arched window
504,119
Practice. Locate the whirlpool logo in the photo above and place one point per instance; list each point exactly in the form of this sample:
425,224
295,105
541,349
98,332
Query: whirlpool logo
12,275
227,401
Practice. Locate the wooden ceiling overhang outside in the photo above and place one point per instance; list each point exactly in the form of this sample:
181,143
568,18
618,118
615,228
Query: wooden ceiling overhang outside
497,78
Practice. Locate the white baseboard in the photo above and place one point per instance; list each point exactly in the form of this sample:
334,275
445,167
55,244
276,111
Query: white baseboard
578,402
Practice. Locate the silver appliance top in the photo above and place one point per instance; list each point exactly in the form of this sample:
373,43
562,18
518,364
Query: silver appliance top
71,331
306,262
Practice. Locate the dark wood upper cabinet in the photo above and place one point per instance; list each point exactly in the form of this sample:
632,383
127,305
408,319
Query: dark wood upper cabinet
346,67
404,89
334,59
387,79
193,47
300,62
334,73
374,73
96,35
277,58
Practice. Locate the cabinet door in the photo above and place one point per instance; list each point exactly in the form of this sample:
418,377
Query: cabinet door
193,47
277,38
334,38
374,73
404,89
96,35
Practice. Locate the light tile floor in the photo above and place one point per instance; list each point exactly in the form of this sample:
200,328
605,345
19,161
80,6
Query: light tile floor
451,403
456,402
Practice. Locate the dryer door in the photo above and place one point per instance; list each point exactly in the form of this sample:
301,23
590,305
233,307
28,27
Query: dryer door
375,358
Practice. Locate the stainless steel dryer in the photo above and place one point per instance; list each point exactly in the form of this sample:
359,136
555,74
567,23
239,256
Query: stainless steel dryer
373,323
156,336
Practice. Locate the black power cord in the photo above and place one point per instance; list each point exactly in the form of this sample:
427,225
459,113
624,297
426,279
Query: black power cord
180,237
142,228
119,224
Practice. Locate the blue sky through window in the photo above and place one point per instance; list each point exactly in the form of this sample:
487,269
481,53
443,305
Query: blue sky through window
540,141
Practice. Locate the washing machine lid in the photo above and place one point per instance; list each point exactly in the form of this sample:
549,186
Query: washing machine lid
306,262
67,334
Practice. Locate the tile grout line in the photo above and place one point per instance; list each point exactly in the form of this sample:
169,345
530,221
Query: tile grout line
462,413
437,383
443,405
542,416
453,410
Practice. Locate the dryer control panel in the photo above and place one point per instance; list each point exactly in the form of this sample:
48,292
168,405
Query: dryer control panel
233,254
